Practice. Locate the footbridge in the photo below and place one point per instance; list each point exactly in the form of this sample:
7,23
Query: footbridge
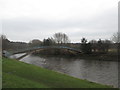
47,47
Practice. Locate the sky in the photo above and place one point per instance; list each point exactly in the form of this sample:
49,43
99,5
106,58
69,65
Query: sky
25,20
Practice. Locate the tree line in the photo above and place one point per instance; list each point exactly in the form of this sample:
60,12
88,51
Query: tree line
57,39
93,46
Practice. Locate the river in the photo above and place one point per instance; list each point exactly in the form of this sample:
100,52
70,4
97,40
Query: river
104,72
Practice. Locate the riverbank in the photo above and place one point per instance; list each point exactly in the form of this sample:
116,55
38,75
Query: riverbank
102,57
18,74
95,56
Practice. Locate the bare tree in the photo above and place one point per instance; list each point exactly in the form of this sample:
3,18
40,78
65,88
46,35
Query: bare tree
65,38
116,37
3,37
61,38
57,37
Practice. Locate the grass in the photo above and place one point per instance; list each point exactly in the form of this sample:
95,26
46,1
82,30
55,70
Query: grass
0,72
18,74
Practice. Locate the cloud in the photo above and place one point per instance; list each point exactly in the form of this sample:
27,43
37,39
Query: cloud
25,20
54,9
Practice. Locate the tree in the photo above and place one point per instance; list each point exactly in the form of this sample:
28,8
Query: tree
61,38
103,45
5,42
107,44
48,42
93,45
52,40
83,40
35,42
100,45
65,38
93,41
85,47
116,37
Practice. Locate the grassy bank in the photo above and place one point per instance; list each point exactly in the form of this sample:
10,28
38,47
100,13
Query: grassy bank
18,74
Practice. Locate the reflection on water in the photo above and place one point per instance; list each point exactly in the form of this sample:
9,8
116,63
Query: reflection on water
105,72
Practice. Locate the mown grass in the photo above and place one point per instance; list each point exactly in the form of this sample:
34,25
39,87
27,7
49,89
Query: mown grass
18,74
0,72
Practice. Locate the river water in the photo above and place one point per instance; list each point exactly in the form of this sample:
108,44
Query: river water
104,72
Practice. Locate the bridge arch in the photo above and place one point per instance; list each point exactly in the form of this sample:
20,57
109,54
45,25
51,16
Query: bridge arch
35,49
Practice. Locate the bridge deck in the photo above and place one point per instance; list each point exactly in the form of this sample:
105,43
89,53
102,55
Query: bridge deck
47,47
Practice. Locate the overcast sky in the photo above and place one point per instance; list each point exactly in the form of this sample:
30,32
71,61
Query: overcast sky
24,20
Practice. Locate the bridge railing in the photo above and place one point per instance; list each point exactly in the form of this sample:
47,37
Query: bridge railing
46,47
